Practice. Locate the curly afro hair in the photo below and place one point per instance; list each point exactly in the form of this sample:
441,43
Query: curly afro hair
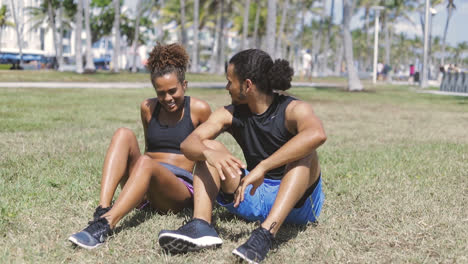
166,59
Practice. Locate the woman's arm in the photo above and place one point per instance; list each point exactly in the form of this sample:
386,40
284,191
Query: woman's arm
145,111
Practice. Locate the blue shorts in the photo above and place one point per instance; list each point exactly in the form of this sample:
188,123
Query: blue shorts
257,207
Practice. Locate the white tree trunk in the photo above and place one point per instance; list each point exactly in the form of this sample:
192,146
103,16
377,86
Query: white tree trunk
89,54
284,15
78,27
60,46
256,23
116,33
271,28
217,41
19,30
183,33
354,84
245,25
135,37
196,15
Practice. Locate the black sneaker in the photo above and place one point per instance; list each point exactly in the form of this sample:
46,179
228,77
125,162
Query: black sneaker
195,235
256,248
93,235
100,211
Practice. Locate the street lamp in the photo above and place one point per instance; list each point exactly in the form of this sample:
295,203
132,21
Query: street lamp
376,40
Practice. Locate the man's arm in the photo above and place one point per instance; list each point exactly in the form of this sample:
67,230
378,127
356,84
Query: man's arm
194,148
300,120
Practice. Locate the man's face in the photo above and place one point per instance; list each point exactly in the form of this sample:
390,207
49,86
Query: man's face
235,87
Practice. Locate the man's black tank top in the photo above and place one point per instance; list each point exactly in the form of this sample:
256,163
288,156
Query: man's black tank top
259,136
163,138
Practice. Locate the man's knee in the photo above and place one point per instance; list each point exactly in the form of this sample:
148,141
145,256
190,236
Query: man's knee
213,144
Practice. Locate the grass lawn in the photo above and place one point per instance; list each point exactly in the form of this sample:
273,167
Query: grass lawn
395,170
124,76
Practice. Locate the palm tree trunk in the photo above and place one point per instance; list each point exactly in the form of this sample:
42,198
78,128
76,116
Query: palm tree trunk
271,28
216,46
196,12
19,31
60,46
387,39
183,33
53,27
89,67
339,57
116,32
79,25
368,38
256,23
221,40
284,14
354,84
449,15
326,48
136,35
245,25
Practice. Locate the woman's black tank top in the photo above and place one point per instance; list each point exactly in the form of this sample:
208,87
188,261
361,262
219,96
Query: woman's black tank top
163,138
259,136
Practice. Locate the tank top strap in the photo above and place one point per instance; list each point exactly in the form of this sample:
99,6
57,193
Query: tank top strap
187,106
157,108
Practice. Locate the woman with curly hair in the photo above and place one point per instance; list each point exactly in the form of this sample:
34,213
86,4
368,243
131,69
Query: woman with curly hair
162,175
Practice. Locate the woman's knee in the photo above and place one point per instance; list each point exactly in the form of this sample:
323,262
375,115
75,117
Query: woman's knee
123,133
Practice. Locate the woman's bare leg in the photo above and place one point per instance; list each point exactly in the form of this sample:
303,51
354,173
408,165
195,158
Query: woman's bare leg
164,190
122,154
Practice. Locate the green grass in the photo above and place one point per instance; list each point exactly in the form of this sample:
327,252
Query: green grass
124,76
394,168
100,76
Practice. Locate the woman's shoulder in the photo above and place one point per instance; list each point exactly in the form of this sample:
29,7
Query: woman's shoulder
148,105
199,105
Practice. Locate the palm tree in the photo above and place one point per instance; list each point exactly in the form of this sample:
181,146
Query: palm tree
284,15
116,33
245,25
271,28
89,67
256,24
78,27
183,33
196,13
136,35
354,84
19,25
4,22
459,50
450,8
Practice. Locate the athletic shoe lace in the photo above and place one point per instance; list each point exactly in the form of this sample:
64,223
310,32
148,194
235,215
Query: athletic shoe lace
98,228
100,211
259,242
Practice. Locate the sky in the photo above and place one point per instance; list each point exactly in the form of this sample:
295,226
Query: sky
457,31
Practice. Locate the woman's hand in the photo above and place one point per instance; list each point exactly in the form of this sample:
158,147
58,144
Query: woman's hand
255,177
224,162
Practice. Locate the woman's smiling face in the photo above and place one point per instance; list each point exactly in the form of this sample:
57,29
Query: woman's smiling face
170,91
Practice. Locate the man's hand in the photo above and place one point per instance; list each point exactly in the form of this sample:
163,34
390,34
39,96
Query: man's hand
224,162
255,177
